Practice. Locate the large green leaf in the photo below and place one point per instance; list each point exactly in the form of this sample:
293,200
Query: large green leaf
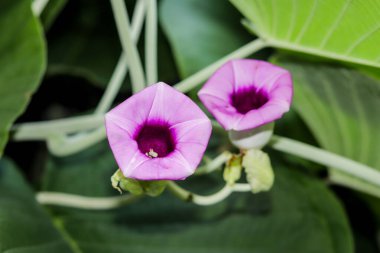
24,225
347,30
22,61
200,32
300,215
342,108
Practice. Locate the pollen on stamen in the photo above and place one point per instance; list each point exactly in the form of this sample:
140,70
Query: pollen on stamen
151,154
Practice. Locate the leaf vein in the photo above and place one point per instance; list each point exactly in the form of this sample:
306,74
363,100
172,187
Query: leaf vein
308,21
335,25
362,39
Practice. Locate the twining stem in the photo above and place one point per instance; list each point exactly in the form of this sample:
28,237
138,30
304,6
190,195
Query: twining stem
206,200
129,47
38,6
331,160
26,132
84,202
279,143
45,129
214,164
151,42
120,71
96,203
64,146
199,77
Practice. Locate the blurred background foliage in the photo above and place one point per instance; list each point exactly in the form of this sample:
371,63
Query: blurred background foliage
73,49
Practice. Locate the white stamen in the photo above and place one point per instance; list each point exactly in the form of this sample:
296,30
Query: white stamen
151,153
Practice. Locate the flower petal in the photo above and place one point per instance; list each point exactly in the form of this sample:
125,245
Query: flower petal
133,111
173,107
158,106
172,167
192,138
222,110
238,75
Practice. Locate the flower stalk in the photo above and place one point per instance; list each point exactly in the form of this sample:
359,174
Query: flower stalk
129,47
212,199
331,160
151,42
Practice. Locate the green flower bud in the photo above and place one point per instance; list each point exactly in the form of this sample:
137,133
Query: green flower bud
258,169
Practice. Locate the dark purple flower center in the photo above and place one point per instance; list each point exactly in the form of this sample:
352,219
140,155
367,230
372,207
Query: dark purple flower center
247,99
155,140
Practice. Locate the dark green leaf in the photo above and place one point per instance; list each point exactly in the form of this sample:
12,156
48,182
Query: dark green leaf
24,225
200,32
22,61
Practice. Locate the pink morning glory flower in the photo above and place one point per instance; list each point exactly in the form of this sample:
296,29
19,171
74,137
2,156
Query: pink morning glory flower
245,94
158,134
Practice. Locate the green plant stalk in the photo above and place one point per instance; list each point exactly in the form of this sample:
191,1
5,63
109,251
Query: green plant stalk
214,164
120,71
45,129
212,199
129,47
199,77
61,145
331,160
84,202
151,42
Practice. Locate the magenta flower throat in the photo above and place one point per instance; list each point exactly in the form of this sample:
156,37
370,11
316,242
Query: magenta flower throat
245,94
155,139
248,98
158,134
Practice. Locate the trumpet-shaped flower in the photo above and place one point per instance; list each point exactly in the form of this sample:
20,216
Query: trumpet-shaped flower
246,94
158,134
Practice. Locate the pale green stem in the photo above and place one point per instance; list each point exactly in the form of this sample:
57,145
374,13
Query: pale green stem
331,160
212,199
45,129
104,203
38,6
215,164
113,86
63,146
129,47
151,42
199,77
84,202
120,71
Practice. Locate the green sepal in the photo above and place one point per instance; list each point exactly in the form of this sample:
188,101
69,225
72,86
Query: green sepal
259,171
232,171
136,187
